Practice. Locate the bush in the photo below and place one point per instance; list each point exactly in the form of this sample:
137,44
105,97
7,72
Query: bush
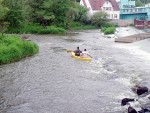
131,24
109,30
103,29
12,48
99,18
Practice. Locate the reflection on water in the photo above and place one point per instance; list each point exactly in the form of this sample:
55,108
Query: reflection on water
58,49
73,40
54,82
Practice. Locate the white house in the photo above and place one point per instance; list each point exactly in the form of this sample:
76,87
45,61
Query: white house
109,6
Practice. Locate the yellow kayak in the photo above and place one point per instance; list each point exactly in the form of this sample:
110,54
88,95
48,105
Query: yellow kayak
80,58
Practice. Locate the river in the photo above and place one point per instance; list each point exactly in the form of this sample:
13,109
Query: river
53,82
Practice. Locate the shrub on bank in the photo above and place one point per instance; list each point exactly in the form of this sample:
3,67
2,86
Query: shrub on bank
108,30
12,48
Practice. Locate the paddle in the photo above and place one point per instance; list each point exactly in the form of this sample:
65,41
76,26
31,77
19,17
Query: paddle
68,51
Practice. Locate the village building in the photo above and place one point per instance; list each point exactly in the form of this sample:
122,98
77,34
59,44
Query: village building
111,7
129,11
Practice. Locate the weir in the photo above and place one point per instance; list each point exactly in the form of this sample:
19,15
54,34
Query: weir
133,38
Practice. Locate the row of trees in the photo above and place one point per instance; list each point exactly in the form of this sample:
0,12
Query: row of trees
17,13
139,3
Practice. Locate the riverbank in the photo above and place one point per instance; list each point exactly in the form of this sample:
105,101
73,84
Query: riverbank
13,48
37,29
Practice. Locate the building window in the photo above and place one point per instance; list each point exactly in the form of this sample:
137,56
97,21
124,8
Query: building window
103,8
108,8
115,15
131,10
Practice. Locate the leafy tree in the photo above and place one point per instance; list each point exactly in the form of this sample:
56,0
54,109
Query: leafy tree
36,10
60,9
57,12
76,13
81,13
138,3
3,12
15,16
99,18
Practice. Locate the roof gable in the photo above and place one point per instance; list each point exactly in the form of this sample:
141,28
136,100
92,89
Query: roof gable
97,4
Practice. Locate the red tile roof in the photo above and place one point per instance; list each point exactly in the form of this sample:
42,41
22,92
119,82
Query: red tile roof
97,4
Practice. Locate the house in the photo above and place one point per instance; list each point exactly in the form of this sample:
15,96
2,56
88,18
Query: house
111,7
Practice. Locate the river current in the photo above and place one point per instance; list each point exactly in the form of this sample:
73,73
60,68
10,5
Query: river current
54,82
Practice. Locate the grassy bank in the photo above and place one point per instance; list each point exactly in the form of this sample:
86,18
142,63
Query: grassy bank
80,26
37,29
12,48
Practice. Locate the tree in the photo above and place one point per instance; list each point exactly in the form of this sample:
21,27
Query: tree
60,9
57,12
81,13
36,10
99,18
138,3
3,12
15,16
76,13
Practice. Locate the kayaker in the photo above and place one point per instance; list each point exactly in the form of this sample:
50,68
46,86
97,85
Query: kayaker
77,52
85,53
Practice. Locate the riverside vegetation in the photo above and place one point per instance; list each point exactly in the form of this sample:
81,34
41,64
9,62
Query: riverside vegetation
13,48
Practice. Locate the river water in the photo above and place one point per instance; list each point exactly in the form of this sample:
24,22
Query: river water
53,82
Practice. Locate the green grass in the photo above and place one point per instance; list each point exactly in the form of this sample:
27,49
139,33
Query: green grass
32,28
84,27
37,29
12,48
80,26
52,30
